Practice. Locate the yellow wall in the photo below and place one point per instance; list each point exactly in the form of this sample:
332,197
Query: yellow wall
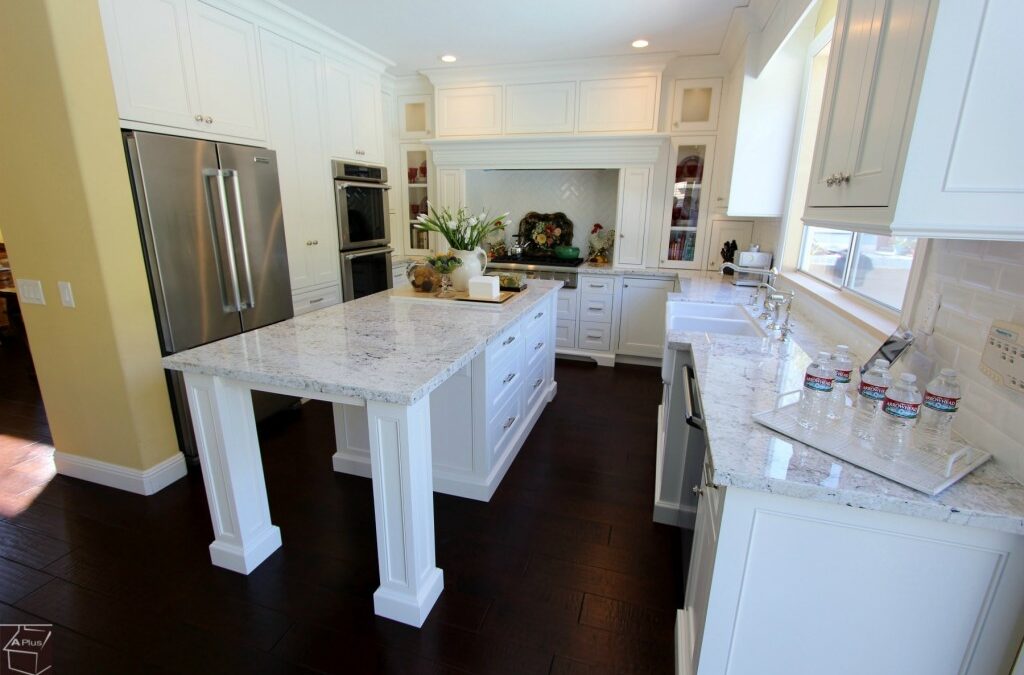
67,214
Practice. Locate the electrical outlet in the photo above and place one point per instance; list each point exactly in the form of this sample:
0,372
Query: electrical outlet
1003,356
67,298
30,292
929,312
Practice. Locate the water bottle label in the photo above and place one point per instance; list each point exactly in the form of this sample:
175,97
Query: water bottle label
817,383
941,403
872,391
843,376
907,411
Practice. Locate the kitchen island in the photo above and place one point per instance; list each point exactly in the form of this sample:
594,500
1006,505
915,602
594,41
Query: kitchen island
378,354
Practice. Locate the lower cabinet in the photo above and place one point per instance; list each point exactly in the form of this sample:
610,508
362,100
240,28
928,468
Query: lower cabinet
318,298
784,585
642,324
481,415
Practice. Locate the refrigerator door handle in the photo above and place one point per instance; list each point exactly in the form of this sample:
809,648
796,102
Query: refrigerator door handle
222,203
233,175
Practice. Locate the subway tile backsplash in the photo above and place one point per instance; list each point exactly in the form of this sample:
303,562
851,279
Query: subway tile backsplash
979,282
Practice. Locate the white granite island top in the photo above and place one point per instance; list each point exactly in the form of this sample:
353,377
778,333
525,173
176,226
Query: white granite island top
739,376
373,348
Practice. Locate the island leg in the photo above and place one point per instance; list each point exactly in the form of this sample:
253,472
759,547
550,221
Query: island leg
229,454
403,507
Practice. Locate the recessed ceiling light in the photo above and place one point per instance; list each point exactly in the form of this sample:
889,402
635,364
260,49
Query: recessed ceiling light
640,44
448,58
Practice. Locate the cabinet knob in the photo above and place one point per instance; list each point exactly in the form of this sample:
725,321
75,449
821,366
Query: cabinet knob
309,242
622,236
198,117
208,120
316,243
697,491
360,152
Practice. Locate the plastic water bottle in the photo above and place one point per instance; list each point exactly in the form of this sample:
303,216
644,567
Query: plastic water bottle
843,366
899,415
941,400
818,383
870,393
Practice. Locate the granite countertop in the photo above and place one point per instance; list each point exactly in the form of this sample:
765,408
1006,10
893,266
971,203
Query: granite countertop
375,348
739,376
609,269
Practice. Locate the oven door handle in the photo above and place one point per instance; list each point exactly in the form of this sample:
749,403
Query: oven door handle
362,254
374,186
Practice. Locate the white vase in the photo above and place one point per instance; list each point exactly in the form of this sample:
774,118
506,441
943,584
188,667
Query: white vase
473,265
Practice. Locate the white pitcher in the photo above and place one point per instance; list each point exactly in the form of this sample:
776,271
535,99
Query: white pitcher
473,265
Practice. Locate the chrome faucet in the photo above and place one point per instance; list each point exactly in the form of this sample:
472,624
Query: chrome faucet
774,299
772,272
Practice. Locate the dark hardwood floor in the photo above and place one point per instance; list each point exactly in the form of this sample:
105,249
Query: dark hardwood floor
562,572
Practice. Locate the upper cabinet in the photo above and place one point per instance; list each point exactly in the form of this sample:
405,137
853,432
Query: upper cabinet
634,214
184,64
469,111
545,108
619,104
919,133
415,116
695,105
354,113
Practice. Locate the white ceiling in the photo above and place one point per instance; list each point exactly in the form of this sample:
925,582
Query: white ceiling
415,33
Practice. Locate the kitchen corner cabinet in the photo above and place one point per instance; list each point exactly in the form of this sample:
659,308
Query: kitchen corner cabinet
695,105
642,320
354,113
689,175
925,141
186,65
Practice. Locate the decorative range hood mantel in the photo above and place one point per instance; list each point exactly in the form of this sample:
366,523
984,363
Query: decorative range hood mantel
549,152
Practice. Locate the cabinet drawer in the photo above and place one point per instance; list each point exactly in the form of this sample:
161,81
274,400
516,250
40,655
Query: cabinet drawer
534,384
565,334
566,307
310,301
503,344
596,308
503,424
593,285
596,336
541,314
503,376
535,342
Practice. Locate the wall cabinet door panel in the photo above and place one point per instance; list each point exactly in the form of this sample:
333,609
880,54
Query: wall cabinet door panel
338,96
618,104
546,108
634,211
366,118
695,104
642,324
469,111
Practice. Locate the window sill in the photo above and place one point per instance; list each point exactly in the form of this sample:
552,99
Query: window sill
878,322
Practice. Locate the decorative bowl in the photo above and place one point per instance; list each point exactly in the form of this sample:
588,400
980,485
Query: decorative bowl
567,252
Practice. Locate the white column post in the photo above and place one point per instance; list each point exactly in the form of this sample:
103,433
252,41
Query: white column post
403,507
229,453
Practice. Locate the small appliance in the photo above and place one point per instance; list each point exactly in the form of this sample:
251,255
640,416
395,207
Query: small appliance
753,258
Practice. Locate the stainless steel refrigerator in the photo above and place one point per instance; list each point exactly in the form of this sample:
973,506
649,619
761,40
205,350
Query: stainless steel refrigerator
213,238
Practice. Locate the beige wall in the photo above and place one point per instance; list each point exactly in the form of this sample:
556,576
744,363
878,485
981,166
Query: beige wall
67,215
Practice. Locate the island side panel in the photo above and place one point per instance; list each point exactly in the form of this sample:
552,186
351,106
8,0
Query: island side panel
403,508
229,455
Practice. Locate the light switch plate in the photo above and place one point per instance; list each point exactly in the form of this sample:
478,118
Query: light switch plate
30,292
1002,359
67,298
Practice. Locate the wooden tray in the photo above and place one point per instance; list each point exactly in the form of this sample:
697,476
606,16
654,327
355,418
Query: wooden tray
502,297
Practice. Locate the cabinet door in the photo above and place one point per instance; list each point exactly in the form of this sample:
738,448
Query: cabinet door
338,94
415,116
642,325
150,53
699,575
366,118
695,104
618,104
878,51
546,108
227,72
469,111
690,175
634,209
723,231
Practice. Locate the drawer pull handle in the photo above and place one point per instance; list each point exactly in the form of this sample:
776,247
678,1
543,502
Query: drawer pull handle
596,308
538,345
509,340
595,336
509,422
538,315
508,378
596,285
313,302
538,382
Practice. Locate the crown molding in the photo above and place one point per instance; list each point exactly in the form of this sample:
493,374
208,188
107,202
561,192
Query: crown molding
551,71
548,152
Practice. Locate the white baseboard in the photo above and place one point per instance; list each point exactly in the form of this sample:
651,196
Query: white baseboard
668,513
142,482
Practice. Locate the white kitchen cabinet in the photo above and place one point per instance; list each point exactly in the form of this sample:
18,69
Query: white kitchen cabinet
699,574
451,188
469,111
416,178
292,78
684,236
545,108
695,105
186,65
415,116
935,142
634,214
642,320
354,113
723,230
623,104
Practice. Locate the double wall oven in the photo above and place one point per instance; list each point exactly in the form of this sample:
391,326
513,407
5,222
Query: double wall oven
361,198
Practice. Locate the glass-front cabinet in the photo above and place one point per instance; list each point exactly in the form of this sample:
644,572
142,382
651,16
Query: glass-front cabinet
689,175
416,179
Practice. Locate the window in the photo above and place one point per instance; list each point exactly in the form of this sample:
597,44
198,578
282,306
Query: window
878,268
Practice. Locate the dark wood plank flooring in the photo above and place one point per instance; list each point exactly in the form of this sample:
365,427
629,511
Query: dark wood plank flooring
562,572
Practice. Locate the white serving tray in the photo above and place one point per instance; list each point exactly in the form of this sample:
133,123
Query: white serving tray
925,471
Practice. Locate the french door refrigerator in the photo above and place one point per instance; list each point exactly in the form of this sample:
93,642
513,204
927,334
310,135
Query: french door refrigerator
213,237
